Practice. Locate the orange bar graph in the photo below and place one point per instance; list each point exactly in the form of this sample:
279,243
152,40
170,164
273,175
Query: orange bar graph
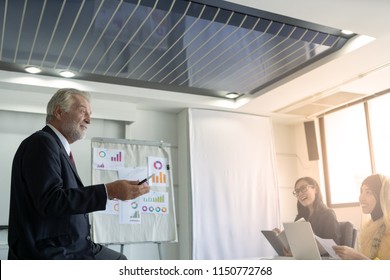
160,178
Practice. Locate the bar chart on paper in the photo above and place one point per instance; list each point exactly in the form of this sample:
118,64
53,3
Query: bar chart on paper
108,159
155,199
117,157
155,203
135,215
129,212
160,168
159,178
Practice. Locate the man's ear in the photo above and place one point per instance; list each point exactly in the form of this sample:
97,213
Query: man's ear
58,112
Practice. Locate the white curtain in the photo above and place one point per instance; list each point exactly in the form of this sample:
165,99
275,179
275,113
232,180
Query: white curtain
233,181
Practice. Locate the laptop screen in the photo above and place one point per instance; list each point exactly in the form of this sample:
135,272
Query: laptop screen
302,242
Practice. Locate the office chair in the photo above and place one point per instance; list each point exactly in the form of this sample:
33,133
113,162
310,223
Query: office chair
348,234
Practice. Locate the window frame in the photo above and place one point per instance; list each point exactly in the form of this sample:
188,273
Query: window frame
324,148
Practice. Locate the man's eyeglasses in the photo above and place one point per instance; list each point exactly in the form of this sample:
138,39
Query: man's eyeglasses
302,189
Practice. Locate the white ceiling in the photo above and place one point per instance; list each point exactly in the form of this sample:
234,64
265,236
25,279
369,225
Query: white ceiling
358,68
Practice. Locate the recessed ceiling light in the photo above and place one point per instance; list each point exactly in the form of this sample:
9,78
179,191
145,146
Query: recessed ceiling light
232,95
346,32
32,69
67,74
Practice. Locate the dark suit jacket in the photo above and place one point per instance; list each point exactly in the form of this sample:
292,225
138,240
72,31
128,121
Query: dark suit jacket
48,209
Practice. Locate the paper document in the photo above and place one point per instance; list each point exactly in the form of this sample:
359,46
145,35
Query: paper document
325,246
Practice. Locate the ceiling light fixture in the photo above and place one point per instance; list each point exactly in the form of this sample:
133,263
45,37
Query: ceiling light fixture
32,69
346,32
67,74
232,95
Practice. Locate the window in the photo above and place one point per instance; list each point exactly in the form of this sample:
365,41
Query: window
345,134
355,145
380,131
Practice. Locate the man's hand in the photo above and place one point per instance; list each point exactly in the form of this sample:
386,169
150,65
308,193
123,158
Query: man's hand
126,190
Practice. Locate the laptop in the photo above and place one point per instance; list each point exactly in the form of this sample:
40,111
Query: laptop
302,241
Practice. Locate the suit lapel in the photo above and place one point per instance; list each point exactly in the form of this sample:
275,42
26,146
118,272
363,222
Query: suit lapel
63,151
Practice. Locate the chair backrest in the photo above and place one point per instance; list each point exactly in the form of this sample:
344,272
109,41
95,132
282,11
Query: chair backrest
348,234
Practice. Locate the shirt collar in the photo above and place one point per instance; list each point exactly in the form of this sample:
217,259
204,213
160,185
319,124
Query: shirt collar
63,140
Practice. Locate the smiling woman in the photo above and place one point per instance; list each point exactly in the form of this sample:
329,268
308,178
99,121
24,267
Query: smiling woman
374,200
374,239
311,207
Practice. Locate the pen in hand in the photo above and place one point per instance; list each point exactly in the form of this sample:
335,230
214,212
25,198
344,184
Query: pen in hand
146,179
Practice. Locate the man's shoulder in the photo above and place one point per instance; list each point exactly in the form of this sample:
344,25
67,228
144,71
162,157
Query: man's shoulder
40,136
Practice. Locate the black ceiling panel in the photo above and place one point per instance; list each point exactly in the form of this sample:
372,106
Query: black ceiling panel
197,47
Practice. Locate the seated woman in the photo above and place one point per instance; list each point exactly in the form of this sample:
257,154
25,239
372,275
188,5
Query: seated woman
374,239
312,208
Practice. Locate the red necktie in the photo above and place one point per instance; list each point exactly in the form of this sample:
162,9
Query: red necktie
71,159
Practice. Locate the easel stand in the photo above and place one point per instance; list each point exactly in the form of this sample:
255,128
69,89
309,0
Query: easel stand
122,247
159,250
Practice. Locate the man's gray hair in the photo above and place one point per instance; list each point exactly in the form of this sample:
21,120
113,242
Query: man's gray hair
63,98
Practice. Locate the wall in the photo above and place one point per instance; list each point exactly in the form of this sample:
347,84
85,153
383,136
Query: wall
184,177
287,171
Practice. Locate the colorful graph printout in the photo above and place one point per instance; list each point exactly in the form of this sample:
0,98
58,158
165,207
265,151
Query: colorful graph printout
129,211
108,159
155,203
159,167
133,174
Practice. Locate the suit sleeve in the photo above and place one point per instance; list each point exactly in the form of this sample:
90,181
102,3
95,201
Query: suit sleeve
51,184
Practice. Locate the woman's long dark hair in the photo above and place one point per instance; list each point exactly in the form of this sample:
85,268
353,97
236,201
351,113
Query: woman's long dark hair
303,212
